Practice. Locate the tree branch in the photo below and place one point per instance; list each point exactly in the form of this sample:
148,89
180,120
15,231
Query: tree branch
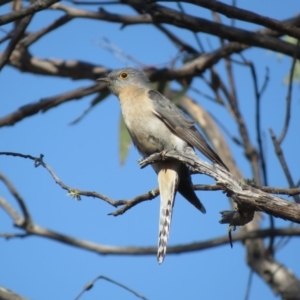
6,294
246,197
104,15
245,15
18,197
16,35
73,192
288,100
283,163
48,103
90,284
30,9
163,14
36,230
35,36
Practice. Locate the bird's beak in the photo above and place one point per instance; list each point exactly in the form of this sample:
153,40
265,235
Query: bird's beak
105,79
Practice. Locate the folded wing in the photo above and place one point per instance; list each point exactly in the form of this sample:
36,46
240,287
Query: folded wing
182,126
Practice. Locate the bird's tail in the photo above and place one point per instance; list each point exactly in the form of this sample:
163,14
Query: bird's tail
168,182
185,188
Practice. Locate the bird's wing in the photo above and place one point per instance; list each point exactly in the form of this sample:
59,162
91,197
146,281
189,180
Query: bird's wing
183,127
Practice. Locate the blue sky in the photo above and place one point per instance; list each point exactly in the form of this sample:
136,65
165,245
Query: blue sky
86,156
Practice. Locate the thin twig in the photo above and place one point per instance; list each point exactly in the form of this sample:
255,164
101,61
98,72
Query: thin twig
131,203
49,103
250,151
118,52
262,160
35,36
8,236
73,192
249,283
283,164
89,285
18,197
183,46
18,220
288,100
180,6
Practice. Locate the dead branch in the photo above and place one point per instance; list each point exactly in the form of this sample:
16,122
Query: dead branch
248,16
19,199
90,284
73,192
36,230
163,14
48,103
30,9
104,15
246,197
283,163
6,294
16,35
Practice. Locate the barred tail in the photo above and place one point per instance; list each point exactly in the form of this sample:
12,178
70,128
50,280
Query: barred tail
168,182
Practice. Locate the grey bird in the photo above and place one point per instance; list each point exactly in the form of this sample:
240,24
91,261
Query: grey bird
155,124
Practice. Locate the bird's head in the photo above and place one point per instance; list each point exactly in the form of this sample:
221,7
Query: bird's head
124,78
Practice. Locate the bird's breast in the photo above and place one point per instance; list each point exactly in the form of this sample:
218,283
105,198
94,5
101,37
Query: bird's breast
149,133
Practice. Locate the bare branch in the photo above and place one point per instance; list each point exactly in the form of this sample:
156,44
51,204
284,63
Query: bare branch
30,9
18,220
8,236
74,69
2,2
163,14
258,94
246,197
211,131
48,103
249,283
248,16
133,251
16,35
283,163
35,36
6,294
104,15
233,106
288,100
131,203
104,250
73,192
18,197
81,70
89,285
267,189
94,2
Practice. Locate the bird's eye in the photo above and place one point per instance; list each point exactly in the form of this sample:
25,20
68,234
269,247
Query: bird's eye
123,75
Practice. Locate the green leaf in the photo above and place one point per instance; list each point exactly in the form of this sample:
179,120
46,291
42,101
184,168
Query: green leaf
290,39
124,140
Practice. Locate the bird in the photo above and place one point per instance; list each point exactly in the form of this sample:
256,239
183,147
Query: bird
156,124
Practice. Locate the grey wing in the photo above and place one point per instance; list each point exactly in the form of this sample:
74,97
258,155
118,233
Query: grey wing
181,125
